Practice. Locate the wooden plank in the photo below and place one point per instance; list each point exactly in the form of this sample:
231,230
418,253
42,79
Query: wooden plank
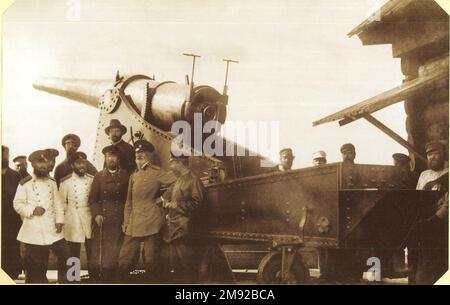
394,136
428,82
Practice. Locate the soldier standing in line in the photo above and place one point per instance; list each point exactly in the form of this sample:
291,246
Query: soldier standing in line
51,156
348,153
403,161
286,160
181,200
432,231
116,131
107,200
319,158
71,143
21,165
11,222
39,204
144,218
74,190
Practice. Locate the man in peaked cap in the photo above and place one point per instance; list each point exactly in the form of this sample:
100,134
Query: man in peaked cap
436,156
143,217
10,221
285,161
38,202
432,231
21,165
181,200
401,160
396,267
71,143
51,156
116,131
404,162
74,190
106,200
348,153
319,158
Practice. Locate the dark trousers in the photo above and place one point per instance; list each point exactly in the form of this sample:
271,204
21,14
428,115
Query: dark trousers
11,260
130,251
75,248
183,259
36,261
106,244
432,252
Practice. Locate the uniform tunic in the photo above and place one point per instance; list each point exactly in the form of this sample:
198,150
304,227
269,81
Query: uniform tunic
432,236
11,223
78,219
143,216
428,176
43,192
24,174
107,198
63,169
187,193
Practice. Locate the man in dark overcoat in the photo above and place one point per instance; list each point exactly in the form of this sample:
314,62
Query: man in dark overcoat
107,200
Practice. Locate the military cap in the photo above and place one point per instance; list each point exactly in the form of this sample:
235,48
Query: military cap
5,148
434,145
76,156
114,123
19,158
73,137
347,146
51,153
143,145
38,155
286,150
401,157
319,154
110,149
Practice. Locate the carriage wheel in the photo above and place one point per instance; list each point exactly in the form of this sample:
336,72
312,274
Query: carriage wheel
270,270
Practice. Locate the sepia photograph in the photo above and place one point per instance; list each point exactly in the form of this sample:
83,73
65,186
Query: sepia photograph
225,142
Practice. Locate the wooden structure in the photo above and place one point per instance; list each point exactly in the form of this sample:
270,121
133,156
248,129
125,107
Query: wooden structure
419,33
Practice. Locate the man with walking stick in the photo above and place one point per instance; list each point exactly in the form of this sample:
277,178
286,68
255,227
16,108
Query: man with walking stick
107,199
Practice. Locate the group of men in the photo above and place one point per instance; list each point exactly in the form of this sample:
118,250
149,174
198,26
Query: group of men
428,242
111,212
115,210
348,153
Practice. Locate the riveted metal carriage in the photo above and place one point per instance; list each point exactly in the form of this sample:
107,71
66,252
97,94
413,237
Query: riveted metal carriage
368,208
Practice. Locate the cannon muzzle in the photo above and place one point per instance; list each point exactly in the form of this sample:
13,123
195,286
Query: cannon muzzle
86,91
159,103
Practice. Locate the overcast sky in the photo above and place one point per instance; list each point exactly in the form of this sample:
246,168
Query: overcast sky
297,65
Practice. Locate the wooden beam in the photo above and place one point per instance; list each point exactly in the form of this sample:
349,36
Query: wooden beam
394,136
428,82
348,120
387,9
418,34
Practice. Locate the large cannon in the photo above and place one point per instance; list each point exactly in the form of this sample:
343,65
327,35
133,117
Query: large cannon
336,206
148,109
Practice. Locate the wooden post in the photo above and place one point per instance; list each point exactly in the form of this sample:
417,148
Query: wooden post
394,136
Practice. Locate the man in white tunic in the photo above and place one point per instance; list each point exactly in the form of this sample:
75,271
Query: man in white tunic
428,180
432,231
38,202
74,189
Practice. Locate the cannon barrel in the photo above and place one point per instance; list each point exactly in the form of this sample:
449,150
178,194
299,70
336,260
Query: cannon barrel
86,91
159,103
